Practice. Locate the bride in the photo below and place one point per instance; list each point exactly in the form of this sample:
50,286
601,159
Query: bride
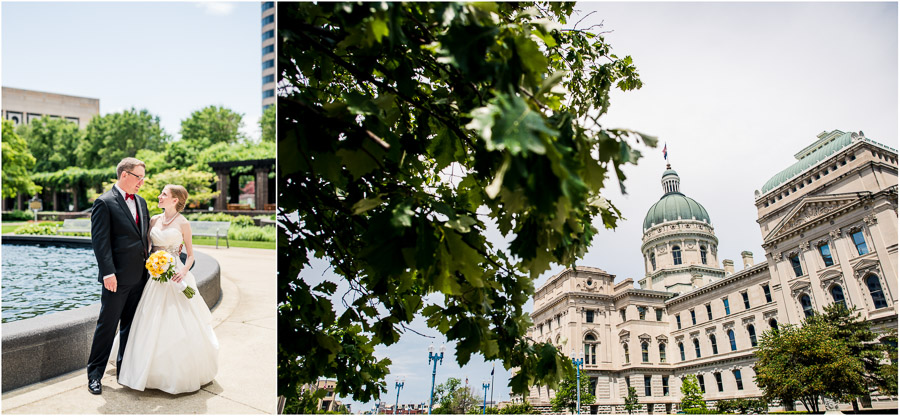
172,346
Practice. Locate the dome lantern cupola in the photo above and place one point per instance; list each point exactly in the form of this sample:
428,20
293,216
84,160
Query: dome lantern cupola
670,181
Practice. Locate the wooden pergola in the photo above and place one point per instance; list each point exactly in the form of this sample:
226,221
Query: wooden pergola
264,188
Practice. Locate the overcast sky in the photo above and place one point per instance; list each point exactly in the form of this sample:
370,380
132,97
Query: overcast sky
170,58
735,90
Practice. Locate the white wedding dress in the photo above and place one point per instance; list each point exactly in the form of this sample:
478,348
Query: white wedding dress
172,346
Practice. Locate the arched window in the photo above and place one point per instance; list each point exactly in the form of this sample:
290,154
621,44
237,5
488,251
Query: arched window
715,347
875,290
662,352
590,349
681,350
703,254
731,340
676,255
697,347
838,295
752,331
653,260
702,384
806,304
625,347
773,324
645,353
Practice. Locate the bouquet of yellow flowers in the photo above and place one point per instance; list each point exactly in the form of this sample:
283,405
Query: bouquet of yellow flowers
161,266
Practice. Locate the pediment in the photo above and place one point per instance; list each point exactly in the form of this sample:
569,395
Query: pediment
810,210
830,274
865,264
662,339
799,285
644,337
624,333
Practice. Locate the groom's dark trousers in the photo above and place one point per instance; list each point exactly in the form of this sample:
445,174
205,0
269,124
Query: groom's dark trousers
121,247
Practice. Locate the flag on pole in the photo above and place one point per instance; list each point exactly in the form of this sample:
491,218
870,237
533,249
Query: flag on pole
665,152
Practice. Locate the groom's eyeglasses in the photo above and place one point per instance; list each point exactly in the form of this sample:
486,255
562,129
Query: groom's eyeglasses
140,178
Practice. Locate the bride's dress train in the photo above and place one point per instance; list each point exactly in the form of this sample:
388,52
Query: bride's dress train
172,346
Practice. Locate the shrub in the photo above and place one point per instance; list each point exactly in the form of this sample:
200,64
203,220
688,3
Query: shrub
251,233
17,215
44,228
742,406
701,411
270,217
241,220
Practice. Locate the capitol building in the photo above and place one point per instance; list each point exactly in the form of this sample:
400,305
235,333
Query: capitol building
829,228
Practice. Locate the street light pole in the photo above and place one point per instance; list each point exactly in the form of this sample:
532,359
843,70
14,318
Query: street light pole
399,385
578,362
485,385
437,358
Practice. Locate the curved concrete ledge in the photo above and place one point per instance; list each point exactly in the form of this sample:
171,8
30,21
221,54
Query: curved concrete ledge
46,346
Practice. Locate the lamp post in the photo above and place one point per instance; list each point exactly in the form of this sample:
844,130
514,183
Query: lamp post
399,385
578,361
485,385
437,358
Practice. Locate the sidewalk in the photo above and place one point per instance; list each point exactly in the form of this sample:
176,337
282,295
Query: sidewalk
245,324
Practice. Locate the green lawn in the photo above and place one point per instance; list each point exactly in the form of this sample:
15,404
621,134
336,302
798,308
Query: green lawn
206,241
10,228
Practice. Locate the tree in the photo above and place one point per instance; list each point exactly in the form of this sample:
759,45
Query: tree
115,136
452,397
691,395
267,124
197,183
631,400
566,395
211,125
387,102
806,363
53,143
306,401
17,164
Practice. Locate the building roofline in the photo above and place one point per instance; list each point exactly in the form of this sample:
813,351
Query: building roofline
748,272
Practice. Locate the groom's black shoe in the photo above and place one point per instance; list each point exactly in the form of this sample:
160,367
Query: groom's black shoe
94,386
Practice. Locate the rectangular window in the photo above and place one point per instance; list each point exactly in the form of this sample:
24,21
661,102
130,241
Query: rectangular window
269,34
709,311
727,309
659,315
746,300
268,93
622,312
589,316
665,385
268,19
268,64
860,243
693,317
737,379
647,391
642,312
268,49
702,384
767,293
678,321
825,251
718,377
795,263
268,5
268,79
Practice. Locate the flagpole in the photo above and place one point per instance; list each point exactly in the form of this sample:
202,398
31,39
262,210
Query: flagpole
492,385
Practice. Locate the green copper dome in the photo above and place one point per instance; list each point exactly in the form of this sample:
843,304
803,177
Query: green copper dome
674,205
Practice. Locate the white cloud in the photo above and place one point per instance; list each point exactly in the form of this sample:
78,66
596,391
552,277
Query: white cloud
216,8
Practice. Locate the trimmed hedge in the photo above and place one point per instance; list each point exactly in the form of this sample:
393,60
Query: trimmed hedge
251,233
699,411
240,220
16,215
44,228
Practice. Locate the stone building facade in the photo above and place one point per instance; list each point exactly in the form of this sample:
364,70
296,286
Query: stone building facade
829,227
22,106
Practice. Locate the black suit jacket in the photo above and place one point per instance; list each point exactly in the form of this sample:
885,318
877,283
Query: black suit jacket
120,245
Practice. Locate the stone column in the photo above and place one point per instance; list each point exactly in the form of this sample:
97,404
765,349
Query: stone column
223,175
261,187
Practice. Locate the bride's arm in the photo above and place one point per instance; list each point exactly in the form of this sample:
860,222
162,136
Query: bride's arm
188,246
150,240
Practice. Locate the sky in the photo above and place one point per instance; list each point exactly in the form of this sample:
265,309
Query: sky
734,90
170,58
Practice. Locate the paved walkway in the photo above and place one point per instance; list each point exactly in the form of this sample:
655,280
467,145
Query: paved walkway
245,324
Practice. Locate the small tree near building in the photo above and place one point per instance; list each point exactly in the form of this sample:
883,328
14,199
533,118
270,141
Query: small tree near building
691,395
567,394
631,401
17,164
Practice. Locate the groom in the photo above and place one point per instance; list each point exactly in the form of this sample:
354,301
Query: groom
119,227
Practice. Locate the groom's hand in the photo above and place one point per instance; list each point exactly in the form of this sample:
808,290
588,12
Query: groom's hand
110,283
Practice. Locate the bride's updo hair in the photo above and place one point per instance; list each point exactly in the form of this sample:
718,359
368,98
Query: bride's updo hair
179,192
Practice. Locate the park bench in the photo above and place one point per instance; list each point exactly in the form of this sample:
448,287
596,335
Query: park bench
211,229
238,207
75,226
